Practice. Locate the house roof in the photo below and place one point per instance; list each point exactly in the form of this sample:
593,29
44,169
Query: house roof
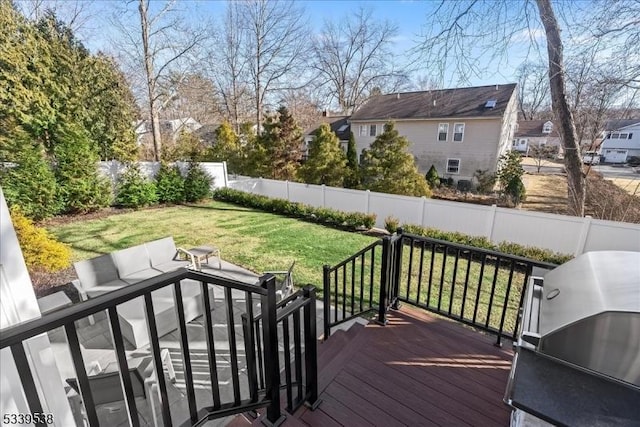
339,125
618,124
533,128
458,102
207,133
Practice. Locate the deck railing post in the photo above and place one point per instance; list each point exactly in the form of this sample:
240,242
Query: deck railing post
326,298
384,280
310,348
271,361
397,270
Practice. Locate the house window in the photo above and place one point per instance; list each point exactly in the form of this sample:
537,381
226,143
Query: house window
453,166
372,130
458,132
363,130
443,130
547,127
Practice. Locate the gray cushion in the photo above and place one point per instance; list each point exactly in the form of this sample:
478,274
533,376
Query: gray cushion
141,275
168,266
96,271
161,251
106,287
131,260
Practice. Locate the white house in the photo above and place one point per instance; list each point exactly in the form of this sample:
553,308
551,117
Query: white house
457,130
536,133
172,128
621,140
339,125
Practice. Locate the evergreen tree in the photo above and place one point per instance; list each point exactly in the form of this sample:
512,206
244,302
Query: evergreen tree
226,148
81,186
31,184
509,176
352,179
281,142
327,162
388,167
133,189
169,184
432,177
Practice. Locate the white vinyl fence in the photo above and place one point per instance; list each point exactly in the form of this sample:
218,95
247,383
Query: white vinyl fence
218,171
559,233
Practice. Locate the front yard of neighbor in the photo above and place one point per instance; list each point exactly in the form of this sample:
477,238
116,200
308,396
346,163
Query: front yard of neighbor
253,239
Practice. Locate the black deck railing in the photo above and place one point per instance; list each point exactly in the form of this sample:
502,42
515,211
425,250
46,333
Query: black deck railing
266,395
478,287
296,324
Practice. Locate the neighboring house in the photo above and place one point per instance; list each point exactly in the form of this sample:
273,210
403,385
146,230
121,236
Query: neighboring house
339,125
171,128
535,133
621,140
458,130
207,134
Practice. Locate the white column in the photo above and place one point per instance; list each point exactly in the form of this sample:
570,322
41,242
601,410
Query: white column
584,233
18,304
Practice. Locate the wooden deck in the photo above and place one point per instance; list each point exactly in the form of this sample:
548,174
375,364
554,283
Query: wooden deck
417,370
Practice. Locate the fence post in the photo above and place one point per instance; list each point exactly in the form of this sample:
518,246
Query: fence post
491,221
384,280
310,348
324,196
287,185
271,361
326,298
396,253
366,210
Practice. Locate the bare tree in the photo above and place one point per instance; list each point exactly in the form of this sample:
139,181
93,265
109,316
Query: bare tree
275,49
463,30
157,55
353,56
76,14
196,96
229,67
533,89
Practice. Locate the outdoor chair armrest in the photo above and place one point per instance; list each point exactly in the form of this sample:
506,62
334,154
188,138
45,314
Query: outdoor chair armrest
191,257
81,291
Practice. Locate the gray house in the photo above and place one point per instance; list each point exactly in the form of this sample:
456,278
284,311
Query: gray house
458,130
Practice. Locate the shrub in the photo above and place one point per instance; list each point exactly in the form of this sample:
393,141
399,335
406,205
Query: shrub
509,175
197,184
169,184
538,254
82,188
31,185
327,216
486,181
133,190
40,250
432,177
391,224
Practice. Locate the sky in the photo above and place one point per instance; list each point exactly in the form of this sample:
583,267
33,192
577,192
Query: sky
411,17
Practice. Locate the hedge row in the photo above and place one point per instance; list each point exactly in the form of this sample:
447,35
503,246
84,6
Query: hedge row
538,254
326,216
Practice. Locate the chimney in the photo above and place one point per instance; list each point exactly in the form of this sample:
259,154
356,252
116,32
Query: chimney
324,113
398,95
497,87
434,102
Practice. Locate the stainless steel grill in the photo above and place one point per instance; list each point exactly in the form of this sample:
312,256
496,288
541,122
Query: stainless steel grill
577,358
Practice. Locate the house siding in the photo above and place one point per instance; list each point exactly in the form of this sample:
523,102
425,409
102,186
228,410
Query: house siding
485,140
632,146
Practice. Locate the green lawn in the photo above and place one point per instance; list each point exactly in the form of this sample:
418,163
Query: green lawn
252,239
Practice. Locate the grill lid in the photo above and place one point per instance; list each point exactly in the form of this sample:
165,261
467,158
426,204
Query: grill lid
593,283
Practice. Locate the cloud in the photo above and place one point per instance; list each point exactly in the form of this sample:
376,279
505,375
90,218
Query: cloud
527,35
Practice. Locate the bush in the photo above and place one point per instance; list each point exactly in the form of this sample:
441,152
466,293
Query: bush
31,185
538,254
391,224
197,184
40,250
169,184
133,190
330,217
82,188
432,177
486,181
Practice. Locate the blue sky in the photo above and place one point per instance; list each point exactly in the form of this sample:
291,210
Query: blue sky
409,16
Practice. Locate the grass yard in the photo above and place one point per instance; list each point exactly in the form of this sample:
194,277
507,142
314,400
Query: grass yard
252,239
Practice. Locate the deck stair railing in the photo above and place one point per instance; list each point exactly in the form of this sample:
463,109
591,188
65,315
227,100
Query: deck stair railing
267,394
478,287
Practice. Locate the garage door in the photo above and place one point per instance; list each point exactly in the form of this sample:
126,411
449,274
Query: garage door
615,156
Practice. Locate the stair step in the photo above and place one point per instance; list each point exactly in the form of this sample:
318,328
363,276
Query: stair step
327,370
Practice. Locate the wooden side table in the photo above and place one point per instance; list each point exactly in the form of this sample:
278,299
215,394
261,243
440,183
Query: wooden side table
201,253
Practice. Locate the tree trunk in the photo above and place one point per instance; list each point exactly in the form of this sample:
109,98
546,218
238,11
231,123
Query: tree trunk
572,159
151,83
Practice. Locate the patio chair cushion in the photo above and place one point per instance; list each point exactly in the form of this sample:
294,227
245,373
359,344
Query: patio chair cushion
163,255
133,264
99,272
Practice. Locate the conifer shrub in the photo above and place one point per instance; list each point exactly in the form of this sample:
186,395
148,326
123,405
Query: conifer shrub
134,190
31,185
432,177
169,184
197,184
40,250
